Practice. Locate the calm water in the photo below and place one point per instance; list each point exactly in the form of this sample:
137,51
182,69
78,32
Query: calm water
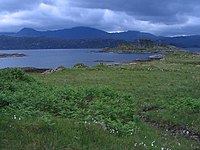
194,49
49,58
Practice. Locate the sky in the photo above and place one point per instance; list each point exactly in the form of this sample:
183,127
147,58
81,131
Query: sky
160,17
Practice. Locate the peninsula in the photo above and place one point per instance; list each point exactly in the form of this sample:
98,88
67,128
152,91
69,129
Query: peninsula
142,46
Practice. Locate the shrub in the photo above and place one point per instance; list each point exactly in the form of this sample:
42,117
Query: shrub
99,105
187,104
114,110
100,66
12,74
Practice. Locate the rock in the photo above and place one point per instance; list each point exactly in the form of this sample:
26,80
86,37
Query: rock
103,61
34,70
50,71
80,65
155,57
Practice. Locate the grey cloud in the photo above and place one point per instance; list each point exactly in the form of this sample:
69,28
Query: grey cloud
170,17
17,5
165,11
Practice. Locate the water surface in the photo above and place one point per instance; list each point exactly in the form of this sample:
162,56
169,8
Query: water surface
193,49
51,58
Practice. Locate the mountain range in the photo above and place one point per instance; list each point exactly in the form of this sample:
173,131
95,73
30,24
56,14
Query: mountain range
29,38
78,33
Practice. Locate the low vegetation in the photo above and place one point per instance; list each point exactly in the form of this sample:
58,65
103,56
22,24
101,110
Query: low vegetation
142,46
148,105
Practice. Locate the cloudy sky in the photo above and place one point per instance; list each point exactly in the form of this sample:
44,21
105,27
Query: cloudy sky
160,17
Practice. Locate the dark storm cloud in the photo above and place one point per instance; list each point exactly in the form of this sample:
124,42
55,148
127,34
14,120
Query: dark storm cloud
153,10
164,17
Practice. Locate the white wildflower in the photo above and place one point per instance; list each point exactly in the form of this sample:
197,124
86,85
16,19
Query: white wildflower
141,143
152,143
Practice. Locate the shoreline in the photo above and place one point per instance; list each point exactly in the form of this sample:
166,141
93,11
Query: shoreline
136,51
51,70
153,57
131,62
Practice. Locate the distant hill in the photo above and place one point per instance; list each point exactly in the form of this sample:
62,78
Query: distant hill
28,32
91,34
10,42
183,41
78,33
67,34
133,35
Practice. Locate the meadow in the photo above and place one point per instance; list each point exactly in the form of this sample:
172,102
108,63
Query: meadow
144,105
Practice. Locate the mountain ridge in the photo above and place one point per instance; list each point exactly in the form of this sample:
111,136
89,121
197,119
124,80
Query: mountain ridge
88,33
83,33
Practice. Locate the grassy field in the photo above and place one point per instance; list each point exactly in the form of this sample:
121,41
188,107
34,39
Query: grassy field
148,105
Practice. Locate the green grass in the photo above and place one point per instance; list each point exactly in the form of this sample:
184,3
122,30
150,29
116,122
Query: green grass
169,88
70,134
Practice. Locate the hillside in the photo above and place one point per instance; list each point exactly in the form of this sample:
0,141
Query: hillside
84,37
10,42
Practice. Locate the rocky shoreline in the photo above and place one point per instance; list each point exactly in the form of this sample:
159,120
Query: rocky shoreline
150,58
102,61
34,70
135,51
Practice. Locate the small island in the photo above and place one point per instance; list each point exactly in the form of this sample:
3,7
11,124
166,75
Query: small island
101,61
12,55
142,46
